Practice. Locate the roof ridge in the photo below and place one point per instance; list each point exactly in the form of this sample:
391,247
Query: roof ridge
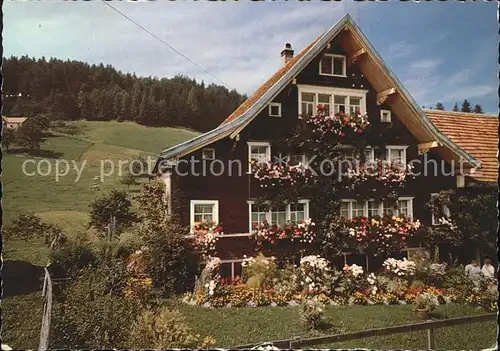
488,115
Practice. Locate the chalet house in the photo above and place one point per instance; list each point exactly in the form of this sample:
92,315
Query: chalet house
13,122
342,71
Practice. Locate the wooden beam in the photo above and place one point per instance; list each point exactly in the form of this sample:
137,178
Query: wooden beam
384,95
423,148
354,57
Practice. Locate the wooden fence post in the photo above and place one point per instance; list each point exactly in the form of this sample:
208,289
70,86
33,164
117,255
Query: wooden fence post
430,339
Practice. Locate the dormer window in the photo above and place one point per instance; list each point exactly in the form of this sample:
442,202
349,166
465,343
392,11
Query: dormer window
333,65
275,109
385,116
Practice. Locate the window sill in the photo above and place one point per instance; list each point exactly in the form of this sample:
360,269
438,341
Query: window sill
275,116
333,75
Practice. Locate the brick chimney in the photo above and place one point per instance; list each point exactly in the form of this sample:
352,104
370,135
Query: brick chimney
287,53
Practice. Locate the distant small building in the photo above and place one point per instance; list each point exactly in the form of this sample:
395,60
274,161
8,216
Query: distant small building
13,122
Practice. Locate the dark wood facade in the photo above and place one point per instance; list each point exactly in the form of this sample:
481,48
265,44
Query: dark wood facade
233,189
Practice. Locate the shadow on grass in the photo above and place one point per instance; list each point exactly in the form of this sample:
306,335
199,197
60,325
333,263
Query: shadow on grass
438,315
35,153
21,277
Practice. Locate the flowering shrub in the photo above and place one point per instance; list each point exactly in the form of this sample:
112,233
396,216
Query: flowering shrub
206,285
352,280
259,271
338,124
138,288
426,301
206,234
303,231
379,235
399,268
392,174
274,175
315,274
311,312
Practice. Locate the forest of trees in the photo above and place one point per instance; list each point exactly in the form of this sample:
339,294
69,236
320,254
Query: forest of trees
72,90
466,107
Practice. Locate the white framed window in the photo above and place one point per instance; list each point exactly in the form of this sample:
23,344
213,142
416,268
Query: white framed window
444,211
279,215
231,268
208,154
349,153
259,152
293,212
333,65
374,209
405,207
369,154
334,100
351,208
396,154
385,116
204,210
275,109
308,104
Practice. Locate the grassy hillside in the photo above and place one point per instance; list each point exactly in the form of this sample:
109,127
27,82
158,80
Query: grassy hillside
65,200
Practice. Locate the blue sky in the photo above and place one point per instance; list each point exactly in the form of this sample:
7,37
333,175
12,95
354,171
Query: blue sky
441,51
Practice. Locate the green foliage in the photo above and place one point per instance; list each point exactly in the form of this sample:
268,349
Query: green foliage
92,312
311,313
473,215
439,106
128,179
465,106
478,109
162,328
30,135
71,90
8,138
260,271
29,225
169,259
113,204
74,255
456,281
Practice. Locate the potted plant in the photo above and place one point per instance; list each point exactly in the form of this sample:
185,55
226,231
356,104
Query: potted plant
423,304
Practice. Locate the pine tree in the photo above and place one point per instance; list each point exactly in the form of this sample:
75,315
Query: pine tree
478,109
455,107
465,106
439,106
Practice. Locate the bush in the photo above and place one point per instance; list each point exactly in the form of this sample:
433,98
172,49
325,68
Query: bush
93,313
260,271
169,259
163,329
73,256
311,313
456,281
29,225
113,204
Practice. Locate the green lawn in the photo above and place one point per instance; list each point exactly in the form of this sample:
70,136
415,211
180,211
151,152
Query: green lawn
22,320
239,326
133,136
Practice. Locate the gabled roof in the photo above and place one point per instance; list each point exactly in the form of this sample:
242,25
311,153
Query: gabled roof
375,70
475,133
14,119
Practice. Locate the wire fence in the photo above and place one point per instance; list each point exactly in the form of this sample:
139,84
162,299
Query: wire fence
428,326
47,312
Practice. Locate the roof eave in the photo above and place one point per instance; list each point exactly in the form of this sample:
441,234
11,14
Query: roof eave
427,123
